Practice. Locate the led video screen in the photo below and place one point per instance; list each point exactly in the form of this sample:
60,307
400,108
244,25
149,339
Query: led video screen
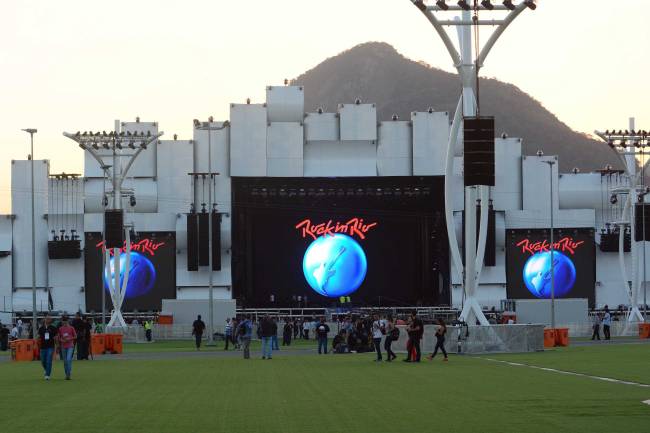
324,240
528,256
152,275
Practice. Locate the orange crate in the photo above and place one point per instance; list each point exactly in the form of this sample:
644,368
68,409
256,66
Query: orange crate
165,319
549,338
97,342
108,343
24,350
644,330
562,337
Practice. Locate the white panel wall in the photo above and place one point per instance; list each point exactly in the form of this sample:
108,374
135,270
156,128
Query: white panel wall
506,194
430,136
284,149
220,142
22,234
321,127
285,103
145,164
340,158
358,122
583,191
530,219
610,288
248,140
6,273
536,175
175,161
394,149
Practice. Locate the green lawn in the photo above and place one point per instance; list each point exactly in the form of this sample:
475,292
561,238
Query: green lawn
188,346
307,393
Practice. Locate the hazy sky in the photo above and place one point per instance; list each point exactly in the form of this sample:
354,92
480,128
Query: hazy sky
79,64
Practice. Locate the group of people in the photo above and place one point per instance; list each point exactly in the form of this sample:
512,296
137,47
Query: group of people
50,337
604,318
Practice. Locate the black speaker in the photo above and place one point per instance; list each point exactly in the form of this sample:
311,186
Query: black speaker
192,242
490,258
479,151
216,241
204,239
70,249
609,242
114,228
639,216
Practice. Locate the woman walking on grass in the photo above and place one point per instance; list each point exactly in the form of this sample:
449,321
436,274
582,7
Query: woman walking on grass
392,334
440,340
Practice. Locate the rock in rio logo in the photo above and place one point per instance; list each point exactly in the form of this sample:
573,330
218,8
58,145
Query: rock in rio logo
334,264
537,274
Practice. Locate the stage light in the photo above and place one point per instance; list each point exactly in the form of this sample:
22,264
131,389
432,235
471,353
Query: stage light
105,145
131,144
442,5
118,144
613,199
508,4
143,145
132,201
196,123
487,4
104,133
77,134
531,4
464,5
95,146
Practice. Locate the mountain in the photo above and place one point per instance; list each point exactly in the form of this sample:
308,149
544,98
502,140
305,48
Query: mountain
376,72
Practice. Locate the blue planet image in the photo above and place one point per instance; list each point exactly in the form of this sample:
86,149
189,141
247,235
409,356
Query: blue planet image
537,274
334,265
142,275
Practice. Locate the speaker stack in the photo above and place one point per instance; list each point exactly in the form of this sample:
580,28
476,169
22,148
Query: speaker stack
66,249
642,214
479,151
198,240
192,242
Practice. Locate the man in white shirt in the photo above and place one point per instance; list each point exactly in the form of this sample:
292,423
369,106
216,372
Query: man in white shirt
14,333
377,334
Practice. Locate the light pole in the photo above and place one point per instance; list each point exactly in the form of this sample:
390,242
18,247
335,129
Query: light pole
551,163
31,132
207,126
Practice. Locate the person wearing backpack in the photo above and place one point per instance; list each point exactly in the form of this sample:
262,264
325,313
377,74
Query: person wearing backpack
440,340
245,332
392,334
378,331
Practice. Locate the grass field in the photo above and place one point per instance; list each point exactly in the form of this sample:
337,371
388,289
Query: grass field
304,393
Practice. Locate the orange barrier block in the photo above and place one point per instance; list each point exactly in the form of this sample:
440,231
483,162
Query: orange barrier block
24,350
97,344
644,330
549,338
117,343
108,343
562,337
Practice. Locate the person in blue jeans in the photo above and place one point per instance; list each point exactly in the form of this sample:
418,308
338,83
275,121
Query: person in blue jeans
47,334
66,337
245,333
321,333
274,335
266,334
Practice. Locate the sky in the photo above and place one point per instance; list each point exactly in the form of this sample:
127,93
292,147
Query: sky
80,64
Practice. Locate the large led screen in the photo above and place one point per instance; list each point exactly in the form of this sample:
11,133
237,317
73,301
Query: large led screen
152,275
297,243
528,255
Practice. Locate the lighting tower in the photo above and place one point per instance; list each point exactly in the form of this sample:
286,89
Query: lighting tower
628,145
467,26
121,146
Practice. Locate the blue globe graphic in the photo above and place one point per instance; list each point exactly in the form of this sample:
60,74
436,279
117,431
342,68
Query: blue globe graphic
537,274
334,265
142,275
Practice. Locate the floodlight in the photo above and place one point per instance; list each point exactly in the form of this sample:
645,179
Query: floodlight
196,123
77,134
442,5
508,4
487,4
531,4
105,145
464,5
95,146
131,145
132,201
118,144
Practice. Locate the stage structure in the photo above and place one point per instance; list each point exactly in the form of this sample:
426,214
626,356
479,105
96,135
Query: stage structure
120,147
629,146
467,25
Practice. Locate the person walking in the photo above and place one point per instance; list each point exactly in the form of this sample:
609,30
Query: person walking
440,340
415,331
287,332
392,334
296,329
245,333
378,331
19,325
607,322
197,331
228,332
4,338
14,334
305,329
67,337
82,328
266,334
274,334
596,327
47,336
321,332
